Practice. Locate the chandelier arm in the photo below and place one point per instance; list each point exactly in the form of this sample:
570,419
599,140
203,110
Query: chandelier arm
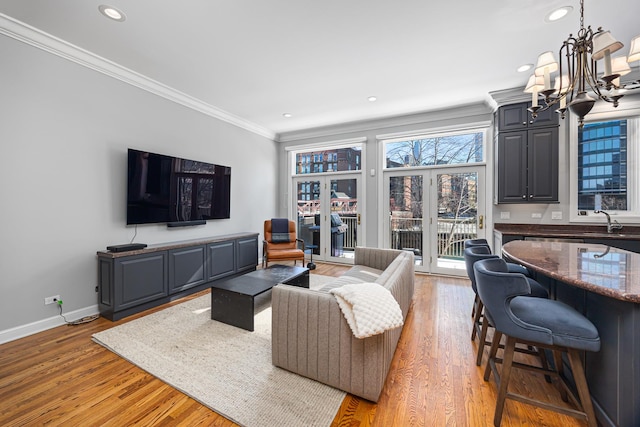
573,75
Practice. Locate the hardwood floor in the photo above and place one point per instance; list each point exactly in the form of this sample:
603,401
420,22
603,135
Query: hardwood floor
61,377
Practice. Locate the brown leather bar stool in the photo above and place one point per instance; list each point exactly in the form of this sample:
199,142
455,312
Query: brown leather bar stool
538,322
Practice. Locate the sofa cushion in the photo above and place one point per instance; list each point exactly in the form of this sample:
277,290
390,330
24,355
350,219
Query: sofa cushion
364,273
356,274
340,281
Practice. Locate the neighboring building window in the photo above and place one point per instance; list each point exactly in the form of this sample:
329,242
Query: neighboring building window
329,160
602,166
448,149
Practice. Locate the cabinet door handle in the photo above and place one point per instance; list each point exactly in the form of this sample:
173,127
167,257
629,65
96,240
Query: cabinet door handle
481,222
530,196
524,196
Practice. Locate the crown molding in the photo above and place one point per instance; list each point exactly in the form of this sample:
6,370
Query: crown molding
34,37
473,112
508,96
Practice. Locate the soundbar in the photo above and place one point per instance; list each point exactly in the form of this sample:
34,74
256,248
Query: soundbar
126,247
186,223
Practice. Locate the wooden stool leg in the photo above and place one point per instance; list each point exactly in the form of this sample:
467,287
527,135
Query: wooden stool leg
497,336
582,386
544,363
475,305
482,341
476,318
507,360
557,360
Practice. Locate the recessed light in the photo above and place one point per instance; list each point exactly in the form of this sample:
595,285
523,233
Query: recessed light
112,13
372,99
525,67
558,13
287,115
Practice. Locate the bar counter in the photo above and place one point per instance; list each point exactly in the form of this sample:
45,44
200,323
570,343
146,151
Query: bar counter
603,283
601,269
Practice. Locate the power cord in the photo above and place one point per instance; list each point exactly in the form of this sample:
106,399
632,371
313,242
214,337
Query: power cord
81,321
134,234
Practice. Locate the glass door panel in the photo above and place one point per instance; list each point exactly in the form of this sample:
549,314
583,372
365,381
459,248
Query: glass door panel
458,217
345,218
405,229
308,211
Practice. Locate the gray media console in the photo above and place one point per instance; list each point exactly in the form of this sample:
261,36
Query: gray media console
134,281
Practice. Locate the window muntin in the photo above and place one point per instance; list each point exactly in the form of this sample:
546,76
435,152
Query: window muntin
450,149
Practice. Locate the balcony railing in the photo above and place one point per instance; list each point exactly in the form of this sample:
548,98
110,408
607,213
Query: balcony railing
350,236
406,234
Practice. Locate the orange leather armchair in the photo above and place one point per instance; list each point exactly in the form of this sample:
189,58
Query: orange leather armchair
281,251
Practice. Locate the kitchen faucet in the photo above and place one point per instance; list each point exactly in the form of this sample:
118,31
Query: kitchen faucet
610,227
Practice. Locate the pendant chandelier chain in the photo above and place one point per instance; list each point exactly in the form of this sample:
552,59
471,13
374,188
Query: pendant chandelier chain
581,14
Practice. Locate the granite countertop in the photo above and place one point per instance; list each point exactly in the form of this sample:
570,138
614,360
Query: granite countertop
601,269
175,245
567,231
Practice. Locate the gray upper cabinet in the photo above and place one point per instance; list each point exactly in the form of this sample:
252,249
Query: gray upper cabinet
527,159
517,117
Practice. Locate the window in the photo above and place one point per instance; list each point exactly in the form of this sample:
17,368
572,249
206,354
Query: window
605,163
328,160
602,166
461,148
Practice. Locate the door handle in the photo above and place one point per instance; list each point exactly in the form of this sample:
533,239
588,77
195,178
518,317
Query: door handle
358,219
481,222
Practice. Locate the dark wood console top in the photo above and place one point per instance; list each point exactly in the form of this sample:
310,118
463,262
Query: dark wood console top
601,269
176,245
567,231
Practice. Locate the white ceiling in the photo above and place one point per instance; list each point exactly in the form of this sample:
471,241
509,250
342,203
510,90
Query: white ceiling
320,60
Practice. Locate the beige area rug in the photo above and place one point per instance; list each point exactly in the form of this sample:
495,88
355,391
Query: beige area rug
223,367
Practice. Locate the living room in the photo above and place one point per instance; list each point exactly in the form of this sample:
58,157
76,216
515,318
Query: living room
68,120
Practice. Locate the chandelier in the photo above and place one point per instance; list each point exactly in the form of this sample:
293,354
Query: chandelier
578,76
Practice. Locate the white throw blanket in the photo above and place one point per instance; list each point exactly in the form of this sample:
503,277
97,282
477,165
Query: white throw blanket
369,308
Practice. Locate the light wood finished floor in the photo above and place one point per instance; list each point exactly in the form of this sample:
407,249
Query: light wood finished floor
60,377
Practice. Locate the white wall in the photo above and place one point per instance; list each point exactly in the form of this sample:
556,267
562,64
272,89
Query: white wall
64,134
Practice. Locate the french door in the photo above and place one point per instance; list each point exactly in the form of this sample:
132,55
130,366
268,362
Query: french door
432,212
328,215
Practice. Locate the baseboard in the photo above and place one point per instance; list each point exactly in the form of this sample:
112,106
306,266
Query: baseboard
45,324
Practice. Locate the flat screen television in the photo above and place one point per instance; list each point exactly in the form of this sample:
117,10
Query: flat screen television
177,191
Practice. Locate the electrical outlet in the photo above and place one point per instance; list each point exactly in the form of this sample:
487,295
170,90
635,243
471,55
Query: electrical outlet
51,300
556,215
505,215
536,215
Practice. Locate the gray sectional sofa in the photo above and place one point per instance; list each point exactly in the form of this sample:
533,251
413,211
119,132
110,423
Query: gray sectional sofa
311,337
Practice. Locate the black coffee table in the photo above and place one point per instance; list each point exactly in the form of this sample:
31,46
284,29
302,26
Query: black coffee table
232,299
